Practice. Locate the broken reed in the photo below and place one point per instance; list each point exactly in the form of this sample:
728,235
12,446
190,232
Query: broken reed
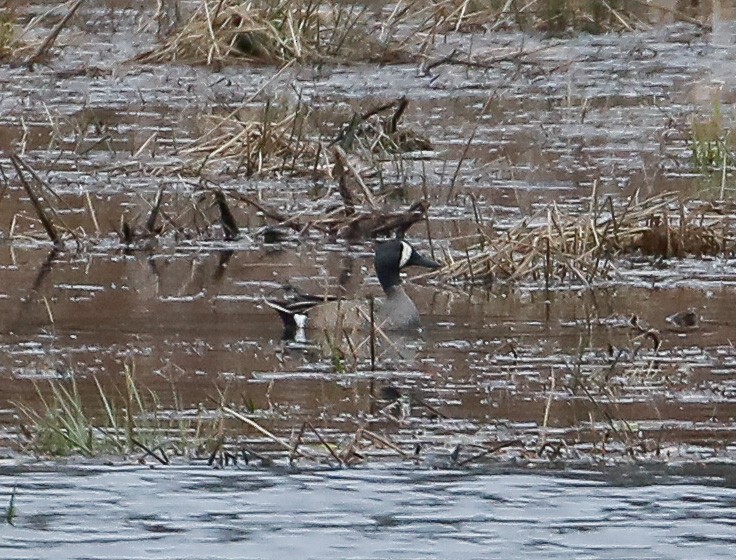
560,248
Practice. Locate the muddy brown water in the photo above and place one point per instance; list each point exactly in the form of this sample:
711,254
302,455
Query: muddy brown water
611,109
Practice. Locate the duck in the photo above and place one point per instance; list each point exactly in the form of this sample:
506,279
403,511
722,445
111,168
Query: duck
395,312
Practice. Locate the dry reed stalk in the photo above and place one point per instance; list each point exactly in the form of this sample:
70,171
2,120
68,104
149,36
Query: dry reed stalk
325,444
48,225
376,439
578,248
280,442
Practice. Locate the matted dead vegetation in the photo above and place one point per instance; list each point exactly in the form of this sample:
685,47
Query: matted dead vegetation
266,144
277,141
260,31
559,248
209,213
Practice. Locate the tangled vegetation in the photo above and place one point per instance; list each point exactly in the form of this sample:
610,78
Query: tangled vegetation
559,248
315,31
329,31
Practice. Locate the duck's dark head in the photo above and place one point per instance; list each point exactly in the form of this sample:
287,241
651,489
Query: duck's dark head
394,255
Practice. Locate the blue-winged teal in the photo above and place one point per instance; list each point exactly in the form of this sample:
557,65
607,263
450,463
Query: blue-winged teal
396,312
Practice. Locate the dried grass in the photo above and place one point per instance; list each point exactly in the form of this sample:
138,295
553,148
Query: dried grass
261,31
272,143
276,141
15,46
560,248
376,132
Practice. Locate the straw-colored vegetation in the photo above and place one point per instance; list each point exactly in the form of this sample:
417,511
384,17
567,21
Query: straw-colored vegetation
277,141
556,248
553,16
272,142
262,31
14,44
324,31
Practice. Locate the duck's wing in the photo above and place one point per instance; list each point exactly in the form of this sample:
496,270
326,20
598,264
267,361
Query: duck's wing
293,312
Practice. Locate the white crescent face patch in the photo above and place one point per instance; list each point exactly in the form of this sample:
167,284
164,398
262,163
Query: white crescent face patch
406,252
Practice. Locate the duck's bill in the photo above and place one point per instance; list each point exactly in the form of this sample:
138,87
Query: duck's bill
419,260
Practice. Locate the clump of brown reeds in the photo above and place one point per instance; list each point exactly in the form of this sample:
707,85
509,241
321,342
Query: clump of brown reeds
222,31
579,248
274,143
278,140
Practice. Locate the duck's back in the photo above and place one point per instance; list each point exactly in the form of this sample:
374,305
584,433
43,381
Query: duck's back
394,312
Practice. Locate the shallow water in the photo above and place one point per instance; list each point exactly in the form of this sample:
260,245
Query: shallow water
611,110
178,513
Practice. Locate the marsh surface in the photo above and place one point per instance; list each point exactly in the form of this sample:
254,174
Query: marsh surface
611,110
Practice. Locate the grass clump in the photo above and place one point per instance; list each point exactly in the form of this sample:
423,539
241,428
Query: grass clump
271,32
555,17
62,427
7,37
377,132
711,142
284,139
12,47
272,142
66,425
580,248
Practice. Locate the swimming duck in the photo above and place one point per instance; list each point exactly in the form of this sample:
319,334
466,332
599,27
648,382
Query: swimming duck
396,312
